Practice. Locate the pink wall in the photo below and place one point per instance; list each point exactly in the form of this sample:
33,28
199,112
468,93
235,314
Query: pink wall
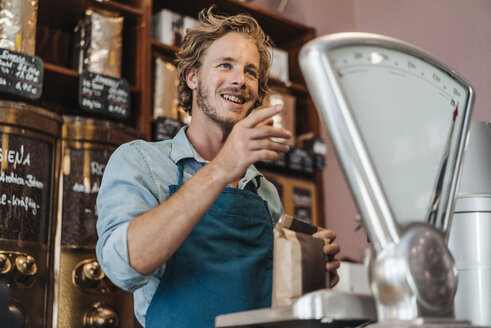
458,32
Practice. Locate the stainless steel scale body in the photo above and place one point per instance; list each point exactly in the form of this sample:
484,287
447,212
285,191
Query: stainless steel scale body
398,119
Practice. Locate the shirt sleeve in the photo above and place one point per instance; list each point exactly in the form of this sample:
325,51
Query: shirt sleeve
127,191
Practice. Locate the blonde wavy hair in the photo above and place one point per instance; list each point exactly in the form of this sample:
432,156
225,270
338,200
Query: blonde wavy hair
212,27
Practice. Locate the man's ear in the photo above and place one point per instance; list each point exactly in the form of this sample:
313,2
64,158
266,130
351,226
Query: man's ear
192,78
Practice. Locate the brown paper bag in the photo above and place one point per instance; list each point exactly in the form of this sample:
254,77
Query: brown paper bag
298,265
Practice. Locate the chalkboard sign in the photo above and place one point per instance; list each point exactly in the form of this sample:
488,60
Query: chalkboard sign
81,184
104,94
281,163
302,204
165,128
25,177
20,74
300,160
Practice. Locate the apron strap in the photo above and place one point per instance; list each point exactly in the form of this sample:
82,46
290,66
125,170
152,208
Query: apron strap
180,170
253,185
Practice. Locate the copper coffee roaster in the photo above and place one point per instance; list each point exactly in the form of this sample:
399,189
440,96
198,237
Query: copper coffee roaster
51,169
83,294
28,173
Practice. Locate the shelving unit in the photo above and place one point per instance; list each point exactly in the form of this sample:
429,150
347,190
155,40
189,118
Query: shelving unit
55,46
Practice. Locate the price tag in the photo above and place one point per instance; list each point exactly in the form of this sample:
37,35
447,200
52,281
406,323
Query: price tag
104,94
300,160
20,74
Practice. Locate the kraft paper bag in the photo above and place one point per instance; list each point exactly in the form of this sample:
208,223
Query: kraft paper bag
298,265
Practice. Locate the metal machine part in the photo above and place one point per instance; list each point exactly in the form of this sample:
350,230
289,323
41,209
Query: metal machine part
25,269
88,276
101,315
5,264
28,169
418,270
324,308
469,239
18,314
84,296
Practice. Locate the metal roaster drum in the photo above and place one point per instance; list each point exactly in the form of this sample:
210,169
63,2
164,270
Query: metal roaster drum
28,171
84,296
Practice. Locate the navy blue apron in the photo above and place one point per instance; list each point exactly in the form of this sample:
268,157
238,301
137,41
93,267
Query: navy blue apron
223,266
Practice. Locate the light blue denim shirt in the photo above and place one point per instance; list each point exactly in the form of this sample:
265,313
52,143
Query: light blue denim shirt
137,179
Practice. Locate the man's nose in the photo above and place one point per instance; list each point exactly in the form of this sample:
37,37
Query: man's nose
238,79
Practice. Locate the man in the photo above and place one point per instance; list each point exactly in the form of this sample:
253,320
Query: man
186,224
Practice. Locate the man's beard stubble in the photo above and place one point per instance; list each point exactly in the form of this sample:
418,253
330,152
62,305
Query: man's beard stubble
225,124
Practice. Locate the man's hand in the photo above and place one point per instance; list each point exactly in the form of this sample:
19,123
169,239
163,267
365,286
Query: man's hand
250,142
331,249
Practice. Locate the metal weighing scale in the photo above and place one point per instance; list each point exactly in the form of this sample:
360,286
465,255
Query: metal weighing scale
398,119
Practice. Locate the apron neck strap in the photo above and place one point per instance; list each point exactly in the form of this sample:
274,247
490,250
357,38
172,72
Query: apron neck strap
180,170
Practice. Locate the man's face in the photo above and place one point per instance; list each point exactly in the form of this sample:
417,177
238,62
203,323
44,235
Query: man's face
227,80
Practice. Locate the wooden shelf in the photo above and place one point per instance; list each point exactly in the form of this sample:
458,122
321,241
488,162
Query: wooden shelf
62,71
120,8
55,39
165,50
280,29
293,87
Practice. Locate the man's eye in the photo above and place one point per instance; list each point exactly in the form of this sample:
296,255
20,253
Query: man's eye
252,73
225,65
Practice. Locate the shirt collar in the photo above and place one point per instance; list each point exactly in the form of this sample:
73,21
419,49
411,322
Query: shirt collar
182,148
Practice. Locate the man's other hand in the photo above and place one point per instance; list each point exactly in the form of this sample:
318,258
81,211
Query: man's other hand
331,249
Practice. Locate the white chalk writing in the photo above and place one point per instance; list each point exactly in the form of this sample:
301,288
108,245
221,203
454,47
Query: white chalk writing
107,81
12,178
15,156
80,187
33,182
13,57
91,104
25,202
97,168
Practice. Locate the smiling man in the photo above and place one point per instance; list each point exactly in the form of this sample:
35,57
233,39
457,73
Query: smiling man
187,224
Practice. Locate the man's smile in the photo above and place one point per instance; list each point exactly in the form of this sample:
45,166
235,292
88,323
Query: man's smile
234,99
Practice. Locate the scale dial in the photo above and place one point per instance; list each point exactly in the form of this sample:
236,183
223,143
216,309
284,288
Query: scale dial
408,112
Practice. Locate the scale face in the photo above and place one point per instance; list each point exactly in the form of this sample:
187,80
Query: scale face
409,110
